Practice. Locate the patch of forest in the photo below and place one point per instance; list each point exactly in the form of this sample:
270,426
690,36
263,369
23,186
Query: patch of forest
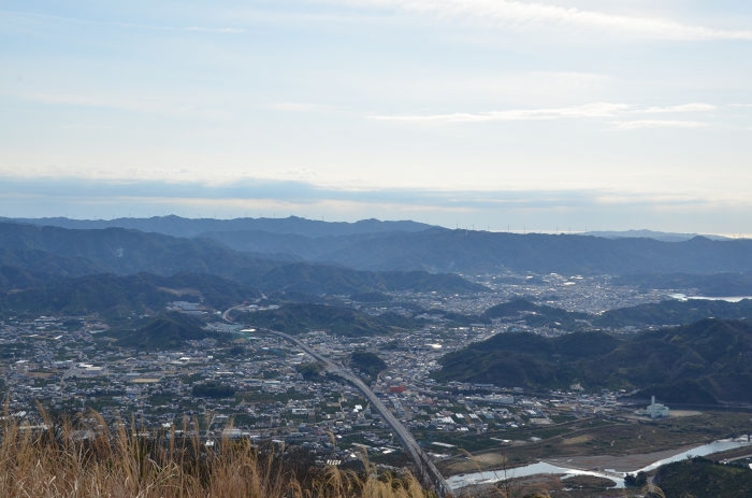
705,362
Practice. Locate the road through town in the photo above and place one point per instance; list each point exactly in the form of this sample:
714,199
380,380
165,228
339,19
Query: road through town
426,470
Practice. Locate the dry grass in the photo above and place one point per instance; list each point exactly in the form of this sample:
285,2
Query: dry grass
61,460
584,438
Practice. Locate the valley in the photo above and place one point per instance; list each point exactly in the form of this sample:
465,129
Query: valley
487,371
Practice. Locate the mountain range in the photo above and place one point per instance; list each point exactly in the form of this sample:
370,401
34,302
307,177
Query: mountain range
405,245
129,267
35,257
61,269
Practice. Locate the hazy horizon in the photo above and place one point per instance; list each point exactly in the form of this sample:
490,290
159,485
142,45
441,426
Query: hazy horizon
638,232
551,116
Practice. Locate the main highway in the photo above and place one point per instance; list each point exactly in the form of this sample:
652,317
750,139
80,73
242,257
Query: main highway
427,472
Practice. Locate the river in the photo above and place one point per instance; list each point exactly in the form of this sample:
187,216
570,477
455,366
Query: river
488,477
728,299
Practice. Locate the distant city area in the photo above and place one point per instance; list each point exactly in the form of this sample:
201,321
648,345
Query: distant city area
254,385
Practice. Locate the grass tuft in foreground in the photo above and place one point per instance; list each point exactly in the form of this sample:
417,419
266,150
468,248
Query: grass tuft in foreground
88,459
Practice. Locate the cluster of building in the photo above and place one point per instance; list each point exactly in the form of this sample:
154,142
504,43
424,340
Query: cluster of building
67,365
252,384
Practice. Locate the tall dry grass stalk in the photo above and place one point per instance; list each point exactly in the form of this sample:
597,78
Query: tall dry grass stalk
88,459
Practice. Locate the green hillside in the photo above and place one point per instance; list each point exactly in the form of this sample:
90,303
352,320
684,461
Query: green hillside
300,318
321,279
701,478
168,331
117,296
34,256
537,315
706,362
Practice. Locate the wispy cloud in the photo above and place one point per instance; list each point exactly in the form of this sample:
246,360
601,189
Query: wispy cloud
65,20
696,107
304,193
220,30
585,111
594,110
143,104
86,101
531,209
527,15
658,123
298,107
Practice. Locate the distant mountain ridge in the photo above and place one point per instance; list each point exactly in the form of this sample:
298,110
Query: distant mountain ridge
651,234
295,225
34,257
119,250
405,245
192,227
473,251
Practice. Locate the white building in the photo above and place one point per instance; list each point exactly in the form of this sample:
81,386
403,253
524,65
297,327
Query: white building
656,410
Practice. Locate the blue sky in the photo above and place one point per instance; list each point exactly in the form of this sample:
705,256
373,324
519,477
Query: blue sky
538,116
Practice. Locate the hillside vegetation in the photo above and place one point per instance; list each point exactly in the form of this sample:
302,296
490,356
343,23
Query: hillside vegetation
383,246
700,477
663,313
706,362
120,295
34,257
166,331
301,318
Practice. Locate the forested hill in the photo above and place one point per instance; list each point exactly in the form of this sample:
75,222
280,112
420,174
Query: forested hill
706,362
300,318
68,252
46,258
116,296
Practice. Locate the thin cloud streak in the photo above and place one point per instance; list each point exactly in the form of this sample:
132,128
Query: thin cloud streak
594,110
695,107
68,189
585,111
299,107
658,123
221,30
531,15
54,19
149,104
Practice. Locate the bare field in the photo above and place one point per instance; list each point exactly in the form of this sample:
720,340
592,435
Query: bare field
41,374
684,413
475,463
577,440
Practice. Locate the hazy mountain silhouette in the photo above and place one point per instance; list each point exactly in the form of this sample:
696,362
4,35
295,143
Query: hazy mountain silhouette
405,245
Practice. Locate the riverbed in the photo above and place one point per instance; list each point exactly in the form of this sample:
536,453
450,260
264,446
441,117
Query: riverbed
609,467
